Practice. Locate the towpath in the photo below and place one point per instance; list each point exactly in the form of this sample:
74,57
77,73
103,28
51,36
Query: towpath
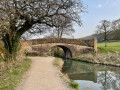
43,75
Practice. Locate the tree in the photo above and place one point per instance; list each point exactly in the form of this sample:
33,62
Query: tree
115,25
104,28
61,32
34,16
65,28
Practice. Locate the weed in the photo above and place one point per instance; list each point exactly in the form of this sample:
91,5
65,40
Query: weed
74,85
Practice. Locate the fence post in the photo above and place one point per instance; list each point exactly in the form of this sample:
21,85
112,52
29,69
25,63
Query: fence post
95,44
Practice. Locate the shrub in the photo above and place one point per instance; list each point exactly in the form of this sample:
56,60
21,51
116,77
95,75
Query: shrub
74,85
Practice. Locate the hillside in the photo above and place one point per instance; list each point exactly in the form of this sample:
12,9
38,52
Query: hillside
112,36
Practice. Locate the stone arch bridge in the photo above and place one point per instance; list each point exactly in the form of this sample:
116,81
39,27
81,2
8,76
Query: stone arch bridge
71,47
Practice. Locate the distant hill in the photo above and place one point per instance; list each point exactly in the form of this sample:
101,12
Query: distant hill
88,37
99,38
112,36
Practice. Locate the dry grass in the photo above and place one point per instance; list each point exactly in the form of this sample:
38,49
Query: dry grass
20,56
10,77
58,62
109,55
112,59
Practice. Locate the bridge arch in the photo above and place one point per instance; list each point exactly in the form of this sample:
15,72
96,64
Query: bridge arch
66,50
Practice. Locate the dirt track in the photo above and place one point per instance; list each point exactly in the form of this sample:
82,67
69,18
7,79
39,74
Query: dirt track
43,75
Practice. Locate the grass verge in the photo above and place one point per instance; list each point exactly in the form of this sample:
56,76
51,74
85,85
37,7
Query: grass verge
11,77
58,62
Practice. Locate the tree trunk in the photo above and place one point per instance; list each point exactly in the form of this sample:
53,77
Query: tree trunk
106,43
12,40
11,46
105,38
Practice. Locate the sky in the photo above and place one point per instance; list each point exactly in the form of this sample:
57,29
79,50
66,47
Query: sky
97,10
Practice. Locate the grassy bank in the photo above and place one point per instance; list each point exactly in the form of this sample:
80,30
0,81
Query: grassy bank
11,77
109,55
58,62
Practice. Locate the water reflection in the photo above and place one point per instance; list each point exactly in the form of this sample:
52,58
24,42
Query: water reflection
94,76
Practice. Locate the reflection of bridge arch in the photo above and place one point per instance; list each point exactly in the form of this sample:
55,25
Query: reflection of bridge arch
71,47
67,65
79,70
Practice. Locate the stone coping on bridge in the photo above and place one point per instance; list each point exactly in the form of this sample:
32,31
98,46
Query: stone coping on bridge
84,42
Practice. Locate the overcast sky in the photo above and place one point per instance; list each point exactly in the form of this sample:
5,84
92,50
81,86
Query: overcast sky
97,10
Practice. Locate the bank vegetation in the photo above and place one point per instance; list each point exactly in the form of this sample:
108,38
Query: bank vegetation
59,63
109,55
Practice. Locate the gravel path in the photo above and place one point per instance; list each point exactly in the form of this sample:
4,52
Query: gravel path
43,75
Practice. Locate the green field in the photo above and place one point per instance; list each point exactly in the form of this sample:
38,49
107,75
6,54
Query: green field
112,47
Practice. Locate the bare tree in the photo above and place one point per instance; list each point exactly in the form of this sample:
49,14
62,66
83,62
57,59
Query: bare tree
64,27
115,25
26,15
104,28
61,32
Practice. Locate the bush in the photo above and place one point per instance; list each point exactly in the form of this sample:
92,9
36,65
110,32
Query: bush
74,85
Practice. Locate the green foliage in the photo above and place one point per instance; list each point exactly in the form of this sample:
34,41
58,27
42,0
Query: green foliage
115,34
74,85
10,77
57,52
57,61
11,45
112,47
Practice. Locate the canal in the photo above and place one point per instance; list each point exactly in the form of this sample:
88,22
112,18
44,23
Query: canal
92,76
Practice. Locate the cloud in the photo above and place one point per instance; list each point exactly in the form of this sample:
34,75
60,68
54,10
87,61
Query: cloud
99,6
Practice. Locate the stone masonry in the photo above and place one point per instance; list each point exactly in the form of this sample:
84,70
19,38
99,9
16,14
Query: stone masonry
71,47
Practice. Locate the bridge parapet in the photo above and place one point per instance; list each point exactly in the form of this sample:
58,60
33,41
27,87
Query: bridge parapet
83,42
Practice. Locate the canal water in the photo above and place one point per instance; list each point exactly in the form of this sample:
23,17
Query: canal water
92,76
